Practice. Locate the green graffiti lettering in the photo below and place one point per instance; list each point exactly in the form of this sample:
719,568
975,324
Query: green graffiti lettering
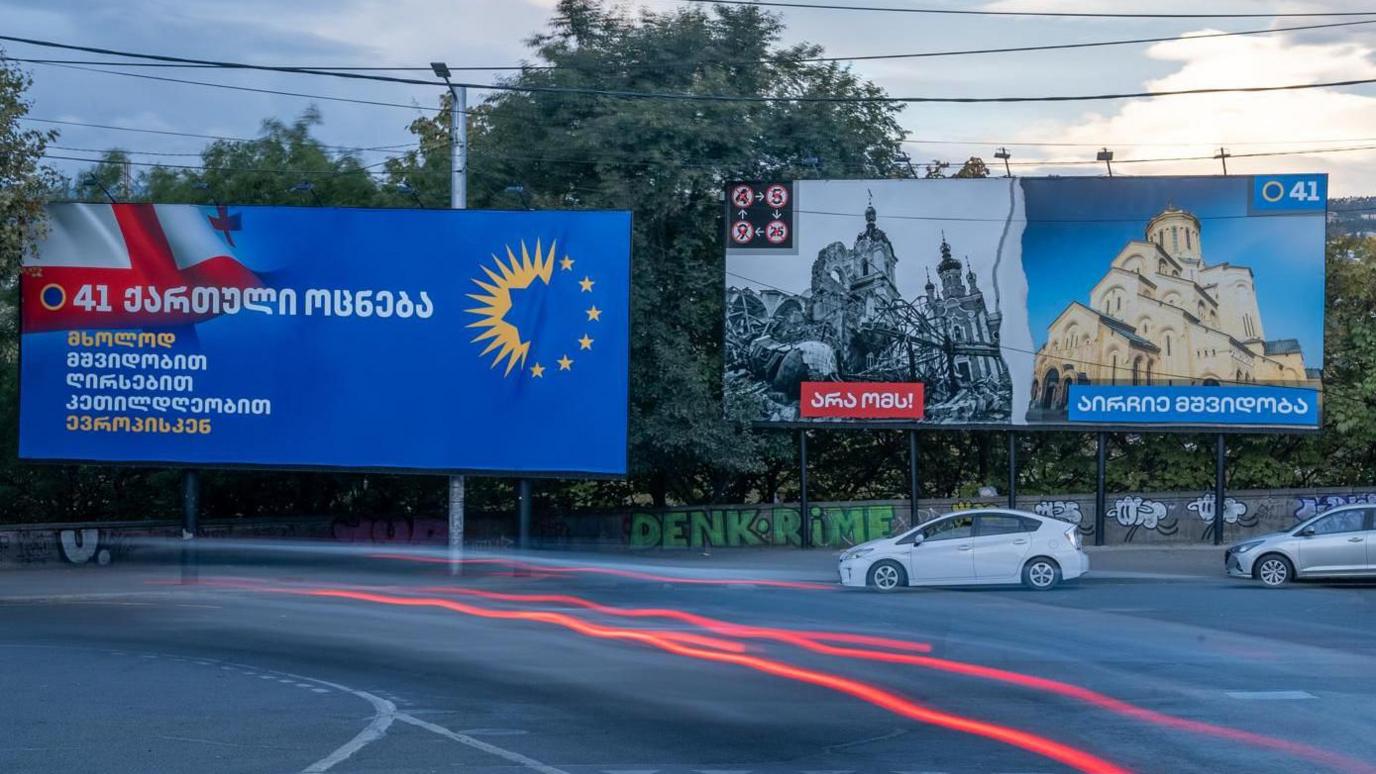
844,525
878,521
785,530
818,533
645,530
674,526
705,527
738,529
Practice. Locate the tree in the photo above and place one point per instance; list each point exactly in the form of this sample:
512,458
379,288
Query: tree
667,160
973,167
24,185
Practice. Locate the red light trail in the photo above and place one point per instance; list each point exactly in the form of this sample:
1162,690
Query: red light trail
815,641
681,643
533,567
1080,760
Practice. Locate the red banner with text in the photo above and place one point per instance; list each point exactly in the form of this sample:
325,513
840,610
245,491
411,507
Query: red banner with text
862,400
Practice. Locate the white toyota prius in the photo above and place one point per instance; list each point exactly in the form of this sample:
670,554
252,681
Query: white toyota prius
979,547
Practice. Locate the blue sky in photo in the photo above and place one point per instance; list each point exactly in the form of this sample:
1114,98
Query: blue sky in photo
1076,226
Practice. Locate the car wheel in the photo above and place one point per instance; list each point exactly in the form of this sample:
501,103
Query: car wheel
1041,574
1274,570
887,576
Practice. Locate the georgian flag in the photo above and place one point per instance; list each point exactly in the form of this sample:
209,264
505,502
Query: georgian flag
123,246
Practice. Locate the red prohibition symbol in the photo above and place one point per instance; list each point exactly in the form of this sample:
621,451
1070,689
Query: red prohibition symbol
776,196
742,196
776,232
742,232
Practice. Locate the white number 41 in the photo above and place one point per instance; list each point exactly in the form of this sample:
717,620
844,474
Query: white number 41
1305,191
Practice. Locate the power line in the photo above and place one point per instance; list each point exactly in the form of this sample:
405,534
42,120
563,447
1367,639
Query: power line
1067,46
990,143
687,96
222,137
253,89
1044,14
746,62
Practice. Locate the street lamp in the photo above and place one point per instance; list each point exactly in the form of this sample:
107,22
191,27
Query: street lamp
404,188
1105,155
1002,153
458,138
519,191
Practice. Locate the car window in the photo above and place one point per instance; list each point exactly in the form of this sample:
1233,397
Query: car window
1001,524
1344,521
951,528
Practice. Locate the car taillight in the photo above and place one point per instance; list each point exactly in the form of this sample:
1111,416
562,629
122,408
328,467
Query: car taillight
1073,535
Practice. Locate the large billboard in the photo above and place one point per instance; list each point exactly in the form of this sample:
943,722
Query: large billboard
1128,302
424,340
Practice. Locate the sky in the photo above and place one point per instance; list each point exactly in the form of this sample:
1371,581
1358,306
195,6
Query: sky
494,32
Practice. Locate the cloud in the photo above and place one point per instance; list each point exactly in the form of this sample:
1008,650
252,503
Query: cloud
1256,122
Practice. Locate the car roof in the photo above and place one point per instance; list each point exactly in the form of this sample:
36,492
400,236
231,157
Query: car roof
1005,511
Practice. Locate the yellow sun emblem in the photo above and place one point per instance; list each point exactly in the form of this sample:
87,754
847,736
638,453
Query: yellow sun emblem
513,274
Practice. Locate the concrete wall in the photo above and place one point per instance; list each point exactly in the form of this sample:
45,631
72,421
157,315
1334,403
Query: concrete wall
1138,518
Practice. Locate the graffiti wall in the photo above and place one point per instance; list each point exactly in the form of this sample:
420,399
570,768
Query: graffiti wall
1132,517
1136,517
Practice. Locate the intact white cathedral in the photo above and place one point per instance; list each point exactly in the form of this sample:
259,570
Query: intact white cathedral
1161,315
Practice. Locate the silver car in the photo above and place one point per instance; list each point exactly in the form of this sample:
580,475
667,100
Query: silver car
1339,543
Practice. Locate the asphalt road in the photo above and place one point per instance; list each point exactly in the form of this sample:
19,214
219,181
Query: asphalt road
393,666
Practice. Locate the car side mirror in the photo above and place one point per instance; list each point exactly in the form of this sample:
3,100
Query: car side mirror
1307,532
917,540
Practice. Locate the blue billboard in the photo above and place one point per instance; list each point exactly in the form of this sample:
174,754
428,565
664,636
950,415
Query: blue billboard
395,339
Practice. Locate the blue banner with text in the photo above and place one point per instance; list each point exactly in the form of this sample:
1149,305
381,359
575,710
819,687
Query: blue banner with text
398,339
1194,405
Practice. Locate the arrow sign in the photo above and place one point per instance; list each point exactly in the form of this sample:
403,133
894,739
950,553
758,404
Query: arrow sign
743,214
759,231
778,214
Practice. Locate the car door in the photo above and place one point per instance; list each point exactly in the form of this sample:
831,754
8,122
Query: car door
944,553
1335,543
1000,543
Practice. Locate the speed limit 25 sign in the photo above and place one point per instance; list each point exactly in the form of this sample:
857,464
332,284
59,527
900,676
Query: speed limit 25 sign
759,215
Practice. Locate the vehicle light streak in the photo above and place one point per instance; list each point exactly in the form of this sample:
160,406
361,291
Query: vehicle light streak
800,637
1078,759
815,642
516,564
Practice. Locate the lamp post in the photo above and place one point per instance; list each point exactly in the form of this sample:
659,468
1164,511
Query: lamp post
1004,155
1222,156
1105,155
305,186
458,200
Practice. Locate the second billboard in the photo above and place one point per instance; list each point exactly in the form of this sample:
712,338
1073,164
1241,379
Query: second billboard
1135,302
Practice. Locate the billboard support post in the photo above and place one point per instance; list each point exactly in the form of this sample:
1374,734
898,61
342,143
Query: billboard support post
914,483
1220,462
523,514
458,200
805,511
1099,505
1012,469
191,504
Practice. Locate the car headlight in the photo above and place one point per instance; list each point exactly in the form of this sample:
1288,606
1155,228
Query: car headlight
856,553
1243,548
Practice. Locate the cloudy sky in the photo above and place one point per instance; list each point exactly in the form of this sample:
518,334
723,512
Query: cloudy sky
492,32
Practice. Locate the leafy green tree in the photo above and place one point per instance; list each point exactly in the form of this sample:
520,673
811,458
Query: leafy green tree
24,185
667,160
973,167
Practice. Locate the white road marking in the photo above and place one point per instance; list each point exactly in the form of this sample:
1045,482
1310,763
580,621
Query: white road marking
478,744
384,712
630,771
1271,695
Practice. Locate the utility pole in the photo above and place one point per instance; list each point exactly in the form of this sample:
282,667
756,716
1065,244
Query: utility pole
1222,156
1105,155
1002,153
458,200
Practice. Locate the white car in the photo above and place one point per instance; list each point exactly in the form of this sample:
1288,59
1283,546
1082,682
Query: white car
987,546
1339,543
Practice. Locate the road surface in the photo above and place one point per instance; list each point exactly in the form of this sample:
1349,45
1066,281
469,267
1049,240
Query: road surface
395,666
